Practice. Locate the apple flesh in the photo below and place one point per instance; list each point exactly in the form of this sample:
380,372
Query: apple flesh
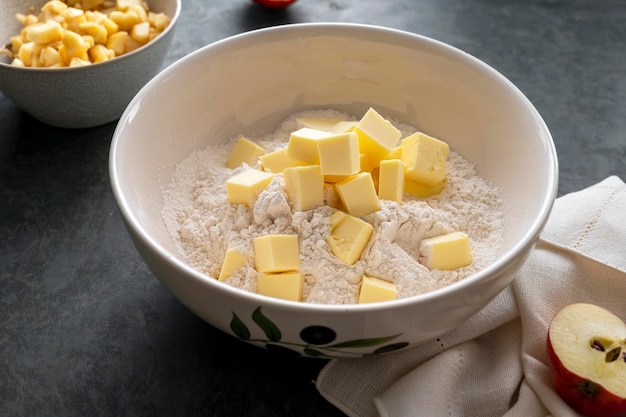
587,355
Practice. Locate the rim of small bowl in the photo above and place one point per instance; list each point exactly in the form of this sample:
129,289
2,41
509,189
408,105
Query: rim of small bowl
169,28
502,262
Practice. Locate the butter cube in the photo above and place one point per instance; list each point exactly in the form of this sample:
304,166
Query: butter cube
287,285
425,158
245,151
232,262
319,123
304,186
377,136
303,147
375,290
348,236
246,186
396,153
391,180
276,253
339,154
446,252
420,190
358,194
335,178
278,161
343,127
366,164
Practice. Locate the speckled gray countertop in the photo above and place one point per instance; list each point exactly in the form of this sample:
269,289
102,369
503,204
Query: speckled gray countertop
86,330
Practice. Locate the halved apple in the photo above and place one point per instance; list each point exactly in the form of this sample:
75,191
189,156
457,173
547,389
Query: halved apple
587,354
274,4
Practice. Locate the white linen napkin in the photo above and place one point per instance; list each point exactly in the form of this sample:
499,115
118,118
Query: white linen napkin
495,363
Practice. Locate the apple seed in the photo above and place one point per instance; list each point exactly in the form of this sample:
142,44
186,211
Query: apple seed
597,345
613,354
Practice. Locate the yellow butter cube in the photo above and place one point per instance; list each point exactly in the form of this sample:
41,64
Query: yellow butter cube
244,151
446,252
318,123
365,163
303,147
376,290
286,285
278,161
343,127
335,178
396,153
377,136
348,236
245,187
232,262
391,180
420,190
276,253
425,158
358,194
339,154
304,186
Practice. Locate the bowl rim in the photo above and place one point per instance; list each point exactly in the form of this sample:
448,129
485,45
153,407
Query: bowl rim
170,27
503,262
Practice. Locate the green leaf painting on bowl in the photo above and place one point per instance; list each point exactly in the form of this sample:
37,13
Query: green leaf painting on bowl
317,340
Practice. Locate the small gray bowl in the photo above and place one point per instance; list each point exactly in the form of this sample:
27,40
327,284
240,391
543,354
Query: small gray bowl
80,97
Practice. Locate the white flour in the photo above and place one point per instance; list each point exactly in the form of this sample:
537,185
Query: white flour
204,224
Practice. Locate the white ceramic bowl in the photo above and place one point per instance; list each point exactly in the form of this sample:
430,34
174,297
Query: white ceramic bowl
254,80
80,97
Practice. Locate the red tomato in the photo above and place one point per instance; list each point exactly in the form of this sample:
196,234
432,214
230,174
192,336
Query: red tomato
274,4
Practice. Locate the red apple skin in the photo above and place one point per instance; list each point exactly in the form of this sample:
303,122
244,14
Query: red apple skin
274,4
582,395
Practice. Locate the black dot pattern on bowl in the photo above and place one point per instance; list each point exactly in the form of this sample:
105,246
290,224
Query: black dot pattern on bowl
318,335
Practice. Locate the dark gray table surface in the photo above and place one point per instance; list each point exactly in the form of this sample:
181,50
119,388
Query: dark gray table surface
86,330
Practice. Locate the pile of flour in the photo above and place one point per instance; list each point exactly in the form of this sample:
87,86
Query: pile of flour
203,224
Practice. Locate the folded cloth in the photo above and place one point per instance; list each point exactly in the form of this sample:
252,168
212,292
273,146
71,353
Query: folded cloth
495,363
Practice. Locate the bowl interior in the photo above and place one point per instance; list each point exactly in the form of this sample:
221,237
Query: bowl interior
249,83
